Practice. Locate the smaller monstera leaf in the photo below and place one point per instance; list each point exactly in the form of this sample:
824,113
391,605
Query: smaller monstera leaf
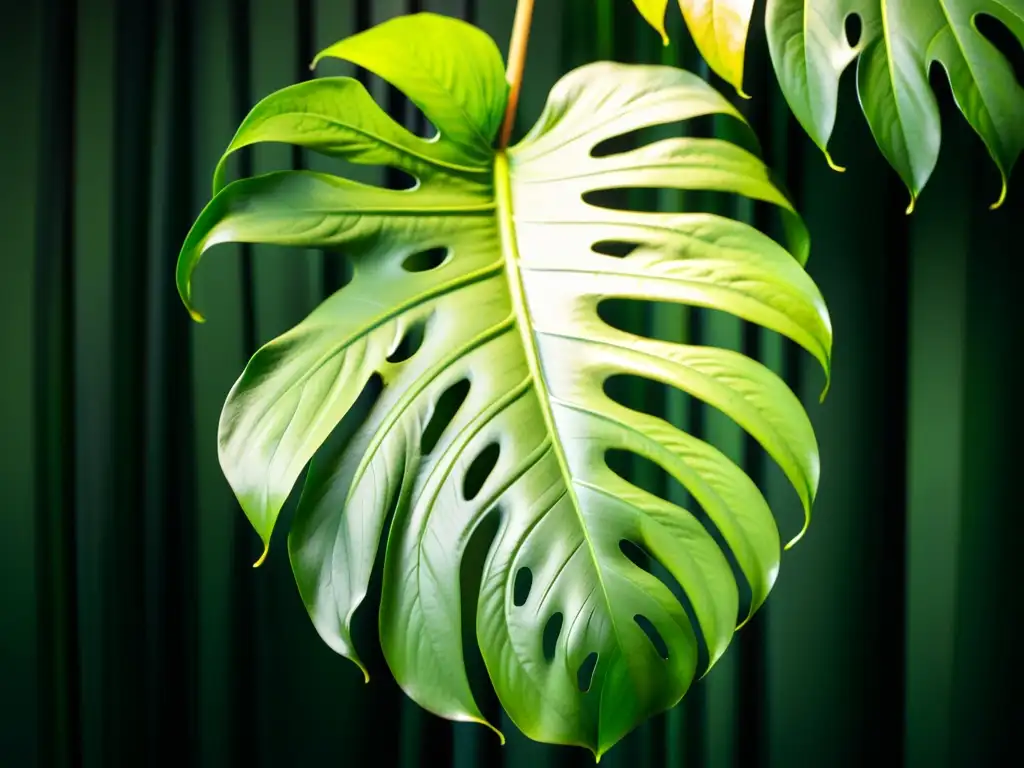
899,42
508,321
718,27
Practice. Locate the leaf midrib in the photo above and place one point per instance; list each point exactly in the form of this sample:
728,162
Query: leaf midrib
510,254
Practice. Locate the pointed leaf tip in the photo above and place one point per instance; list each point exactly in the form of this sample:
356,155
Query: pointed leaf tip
832,163
1002,196
263,557
912,206
483,722
793,542
741,93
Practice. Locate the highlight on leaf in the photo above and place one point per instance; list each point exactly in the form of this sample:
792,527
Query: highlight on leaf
471,319
718,28
896,44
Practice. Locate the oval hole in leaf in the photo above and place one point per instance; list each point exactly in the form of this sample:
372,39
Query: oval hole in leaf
853,27
423,261
399,180
447,406
653,635
471,570
645,561
552,629
652,477
585,674
409,344
480,470
997,33
521,587
617,248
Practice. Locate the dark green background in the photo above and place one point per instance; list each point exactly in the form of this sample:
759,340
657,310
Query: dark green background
134,630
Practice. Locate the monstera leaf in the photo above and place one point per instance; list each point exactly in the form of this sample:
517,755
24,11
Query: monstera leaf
718,27
509,319
899,41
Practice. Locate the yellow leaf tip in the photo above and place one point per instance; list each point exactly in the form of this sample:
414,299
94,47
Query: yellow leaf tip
196,315
912,206
741,93
263,557
1002,198
499,734
793,542
832,163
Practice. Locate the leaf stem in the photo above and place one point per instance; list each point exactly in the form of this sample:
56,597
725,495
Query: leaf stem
514,70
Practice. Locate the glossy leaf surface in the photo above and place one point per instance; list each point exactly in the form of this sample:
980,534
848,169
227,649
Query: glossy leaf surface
509,317
899,42
718,27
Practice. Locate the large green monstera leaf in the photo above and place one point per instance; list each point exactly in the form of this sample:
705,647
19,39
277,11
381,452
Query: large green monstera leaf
510,316
899,41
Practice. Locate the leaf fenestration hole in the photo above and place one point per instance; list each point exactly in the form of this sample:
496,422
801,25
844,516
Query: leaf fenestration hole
617,248
719,125
365,620
664,320
552,629
471,570
445,409
397,104
400,180
479,470
337,441
409,344
423,261
664,200
521,587
652,634
853,27
997,33
652,477
338,270
585,674
635,554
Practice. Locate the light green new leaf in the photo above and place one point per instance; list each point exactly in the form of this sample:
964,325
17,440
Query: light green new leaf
718,27
510,314
899,42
